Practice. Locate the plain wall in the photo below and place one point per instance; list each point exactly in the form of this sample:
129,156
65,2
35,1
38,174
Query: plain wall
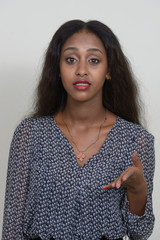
26,27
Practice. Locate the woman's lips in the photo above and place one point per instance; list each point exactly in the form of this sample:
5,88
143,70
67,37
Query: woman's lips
81,85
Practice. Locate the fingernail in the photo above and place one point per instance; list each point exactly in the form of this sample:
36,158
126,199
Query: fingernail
104,188
135,154
124,178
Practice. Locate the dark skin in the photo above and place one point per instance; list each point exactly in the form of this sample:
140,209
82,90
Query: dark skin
83,57
133,180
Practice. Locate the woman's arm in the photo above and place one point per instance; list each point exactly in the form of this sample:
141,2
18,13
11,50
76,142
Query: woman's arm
138,181
17,183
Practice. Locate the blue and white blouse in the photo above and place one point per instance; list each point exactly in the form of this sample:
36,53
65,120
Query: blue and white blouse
49,195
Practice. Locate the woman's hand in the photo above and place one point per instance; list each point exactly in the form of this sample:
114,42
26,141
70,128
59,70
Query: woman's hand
132,178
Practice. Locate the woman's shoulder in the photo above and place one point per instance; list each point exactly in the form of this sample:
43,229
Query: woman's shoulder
133,128
35,123
36,120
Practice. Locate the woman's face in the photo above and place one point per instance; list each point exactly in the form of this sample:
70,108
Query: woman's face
83,66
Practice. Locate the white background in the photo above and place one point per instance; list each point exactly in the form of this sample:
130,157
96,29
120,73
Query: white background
26,27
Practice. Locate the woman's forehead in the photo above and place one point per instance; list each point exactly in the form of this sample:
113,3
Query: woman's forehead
85,39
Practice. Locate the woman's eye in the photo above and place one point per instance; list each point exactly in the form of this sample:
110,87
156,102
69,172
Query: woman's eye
70,60
94,61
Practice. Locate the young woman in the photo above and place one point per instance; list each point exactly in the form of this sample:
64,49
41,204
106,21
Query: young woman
82,166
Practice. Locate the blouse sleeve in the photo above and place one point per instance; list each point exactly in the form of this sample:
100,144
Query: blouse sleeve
141,227
17,182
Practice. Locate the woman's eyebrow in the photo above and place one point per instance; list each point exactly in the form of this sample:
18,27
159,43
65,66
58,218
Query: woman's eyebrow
94,50
88,50
71,48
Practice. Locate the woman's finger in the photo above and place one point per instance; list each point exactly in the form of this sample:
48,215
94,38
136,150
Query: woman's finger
110,185
136,161
122,179
116,183
119,181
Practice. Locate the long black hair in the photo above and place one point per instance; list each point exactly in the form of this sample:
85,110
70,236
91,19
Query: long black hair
120,95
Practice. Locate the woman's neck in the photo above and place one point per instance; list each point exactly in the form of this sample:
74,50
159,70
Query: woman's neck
84,114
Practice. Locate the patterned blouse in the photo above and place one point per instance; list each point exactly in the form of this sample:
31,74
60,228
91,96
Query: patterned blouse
49,195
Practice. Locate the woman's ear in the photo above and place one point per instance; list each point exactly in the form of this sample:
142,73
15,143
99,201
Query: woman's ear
108,76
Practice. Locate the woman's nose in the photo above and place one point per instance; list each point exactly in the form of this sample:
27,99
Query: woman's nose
82,69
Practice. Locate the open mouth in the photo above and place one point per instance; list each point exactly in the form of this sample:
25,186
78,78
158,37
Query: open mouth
81,85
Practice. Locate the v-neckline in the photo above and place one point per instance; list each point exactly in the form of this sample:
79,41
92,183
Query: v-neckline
70,144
